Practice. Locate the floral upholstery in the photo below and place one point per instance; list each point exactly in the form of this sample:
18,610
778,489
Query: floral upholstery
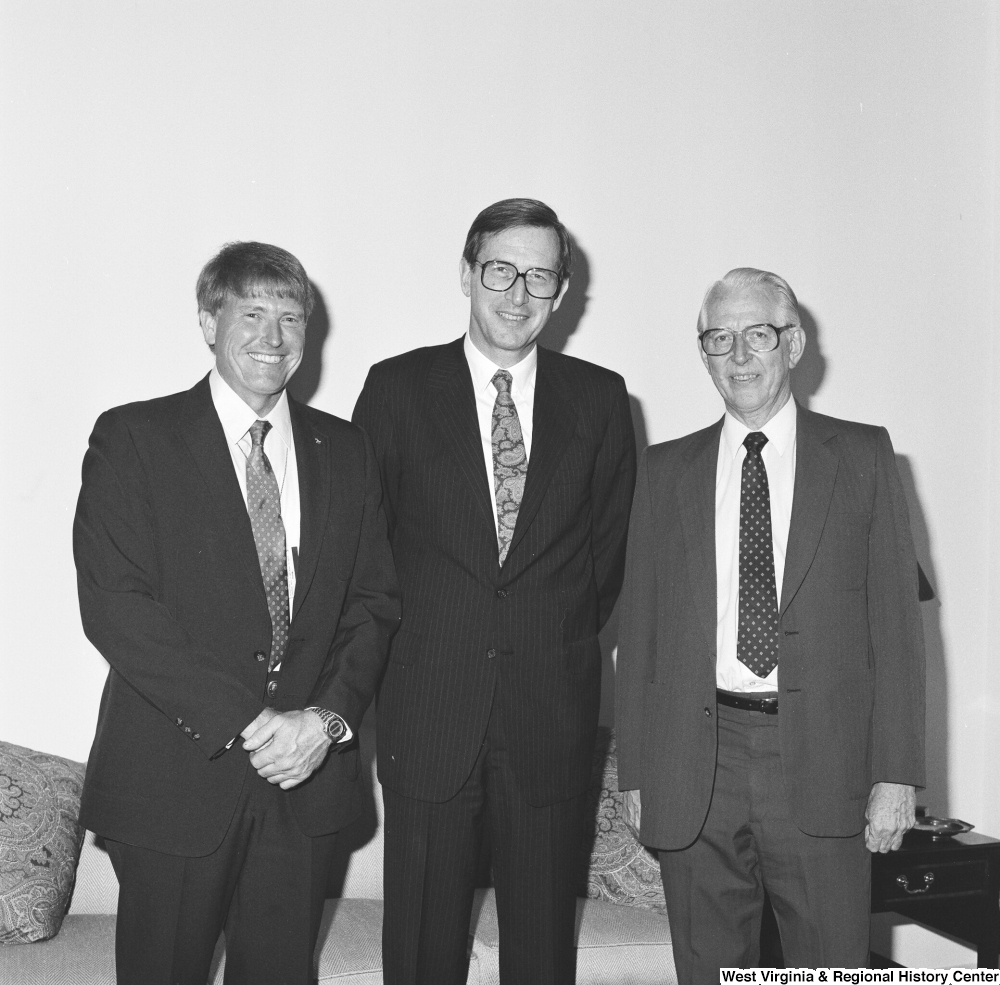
620,869
40,840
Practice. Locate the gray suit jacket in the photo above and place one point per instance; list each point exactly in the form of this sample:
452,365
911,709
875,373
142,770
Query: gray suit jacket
851,652
171,594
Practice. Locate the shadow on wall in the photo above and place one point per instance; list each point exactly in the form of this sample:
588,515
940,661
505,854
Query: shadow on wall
566,318
305,382
935,796
807,377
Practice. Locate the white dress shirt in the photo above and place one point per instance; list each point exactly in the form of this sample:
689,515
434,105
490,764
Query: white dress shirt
279,446
522,389
779,462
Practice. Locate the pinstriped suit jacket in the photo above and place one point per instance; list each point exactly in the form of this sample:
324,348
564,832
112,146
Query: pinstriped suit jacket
528,631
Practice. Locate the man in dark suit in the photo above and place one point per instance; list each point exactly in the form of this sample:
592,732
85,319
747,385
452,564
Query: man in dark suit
201,517
508,471
770,675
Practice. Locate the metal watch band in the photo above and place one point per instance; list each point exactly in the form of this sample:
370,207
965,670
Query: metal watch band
333,724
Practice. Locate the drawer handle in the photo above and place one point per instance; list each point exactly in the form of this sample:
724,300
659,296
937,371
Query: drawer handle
904,881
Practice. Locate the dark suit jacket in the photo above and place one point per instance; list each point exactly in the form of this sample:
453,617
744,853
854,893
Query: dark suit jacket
467,624
851,654
171,594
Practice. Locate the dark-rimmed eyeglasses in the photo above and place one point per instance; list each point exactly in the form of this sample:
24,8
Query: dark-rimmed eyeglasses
760,338
499,275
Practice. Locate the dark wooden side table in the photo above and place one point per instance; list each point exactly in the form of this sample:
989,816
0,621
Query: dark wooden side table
951,885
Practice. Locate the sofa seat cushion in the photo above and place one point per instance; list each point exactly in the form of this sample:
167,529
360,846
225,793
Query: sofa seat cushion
96,889
349,950
40,838
82,953
614,944
624,945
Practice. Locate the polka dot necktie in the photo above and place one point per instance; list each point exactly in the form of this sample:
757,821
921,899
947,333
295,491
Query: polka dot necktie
757,644
264,507
510,461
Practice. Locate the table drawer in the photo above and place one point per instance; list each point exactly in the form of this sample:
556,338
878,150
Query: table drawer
897,881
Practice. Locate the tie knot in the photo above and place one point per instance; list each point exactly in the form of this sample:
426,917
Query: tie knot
502,381
258,432
754,441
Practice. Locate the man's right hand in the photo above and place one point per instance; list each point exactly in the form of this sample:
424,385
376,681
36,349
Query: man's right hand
632,810
287,747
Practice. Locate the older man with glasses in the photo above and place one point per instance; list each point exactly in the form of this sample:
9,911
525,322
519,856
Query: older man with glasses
770,692
508,471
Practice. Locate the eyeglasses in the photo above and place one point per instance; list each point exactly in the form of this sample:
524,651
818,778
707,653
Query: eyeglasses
760,338
499,275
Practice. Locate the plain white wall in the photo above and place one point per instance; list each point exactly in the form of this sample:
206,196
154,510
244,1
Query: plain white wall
850,146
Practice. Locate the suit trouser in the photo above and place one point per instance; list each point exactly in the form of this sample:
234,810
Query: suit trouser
819,887
265,885
432,854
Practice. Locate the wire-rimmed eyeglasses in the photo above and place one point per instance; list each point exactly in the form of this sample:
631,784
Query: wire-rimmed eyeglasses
760,338
499,275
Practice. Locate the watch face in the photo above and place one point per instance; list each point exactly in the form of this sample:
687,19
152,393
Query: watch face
335,729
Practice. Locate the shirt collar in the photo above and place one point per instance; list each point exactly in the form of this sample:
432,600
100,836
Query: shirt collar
237,418
780,430
483,370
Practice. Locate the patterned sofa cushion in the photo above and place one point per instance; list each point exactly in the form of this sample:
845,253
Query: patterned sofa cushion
620,869
40,840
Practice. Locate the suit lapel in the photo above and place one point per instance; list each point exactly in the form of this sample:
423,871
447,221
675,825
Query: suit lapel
449,386
317,488
553,425
696,497
815,474
202,432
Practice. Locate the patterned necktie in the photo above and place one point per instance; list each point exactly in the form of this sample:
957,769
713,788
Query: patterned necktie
510,461
264,507
757,644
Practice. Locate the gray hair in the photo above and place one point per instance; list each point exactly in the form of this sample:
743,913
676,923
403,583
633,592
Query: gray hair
743,277
253,270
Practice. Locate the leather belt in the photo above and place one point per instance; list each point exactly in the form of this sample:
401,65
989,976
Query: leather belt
766,703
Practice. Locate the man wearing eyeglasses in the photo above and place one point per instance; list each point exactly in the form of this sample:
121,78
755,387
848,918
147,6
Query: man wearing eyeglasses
508,472
770,688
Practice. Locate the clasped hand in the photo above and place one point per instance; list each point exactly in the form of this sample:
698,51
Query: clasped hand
286,747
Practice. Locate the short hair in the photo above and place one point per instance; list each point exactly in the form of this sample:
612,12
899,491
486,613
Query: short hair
742,277
253,270
509,214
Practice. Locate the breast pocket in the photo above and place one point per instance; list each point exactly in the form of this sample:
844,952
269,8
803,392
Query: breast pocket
843,554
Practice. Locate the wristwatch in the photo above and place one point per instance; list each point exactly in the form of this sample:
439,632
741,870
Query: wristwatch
333,724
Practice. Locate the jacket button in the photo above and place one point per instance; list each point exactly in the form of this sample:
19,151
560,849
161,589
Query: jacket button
197,735
272,688
179,721
501,593
708,712
261,656
187,728
491,653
